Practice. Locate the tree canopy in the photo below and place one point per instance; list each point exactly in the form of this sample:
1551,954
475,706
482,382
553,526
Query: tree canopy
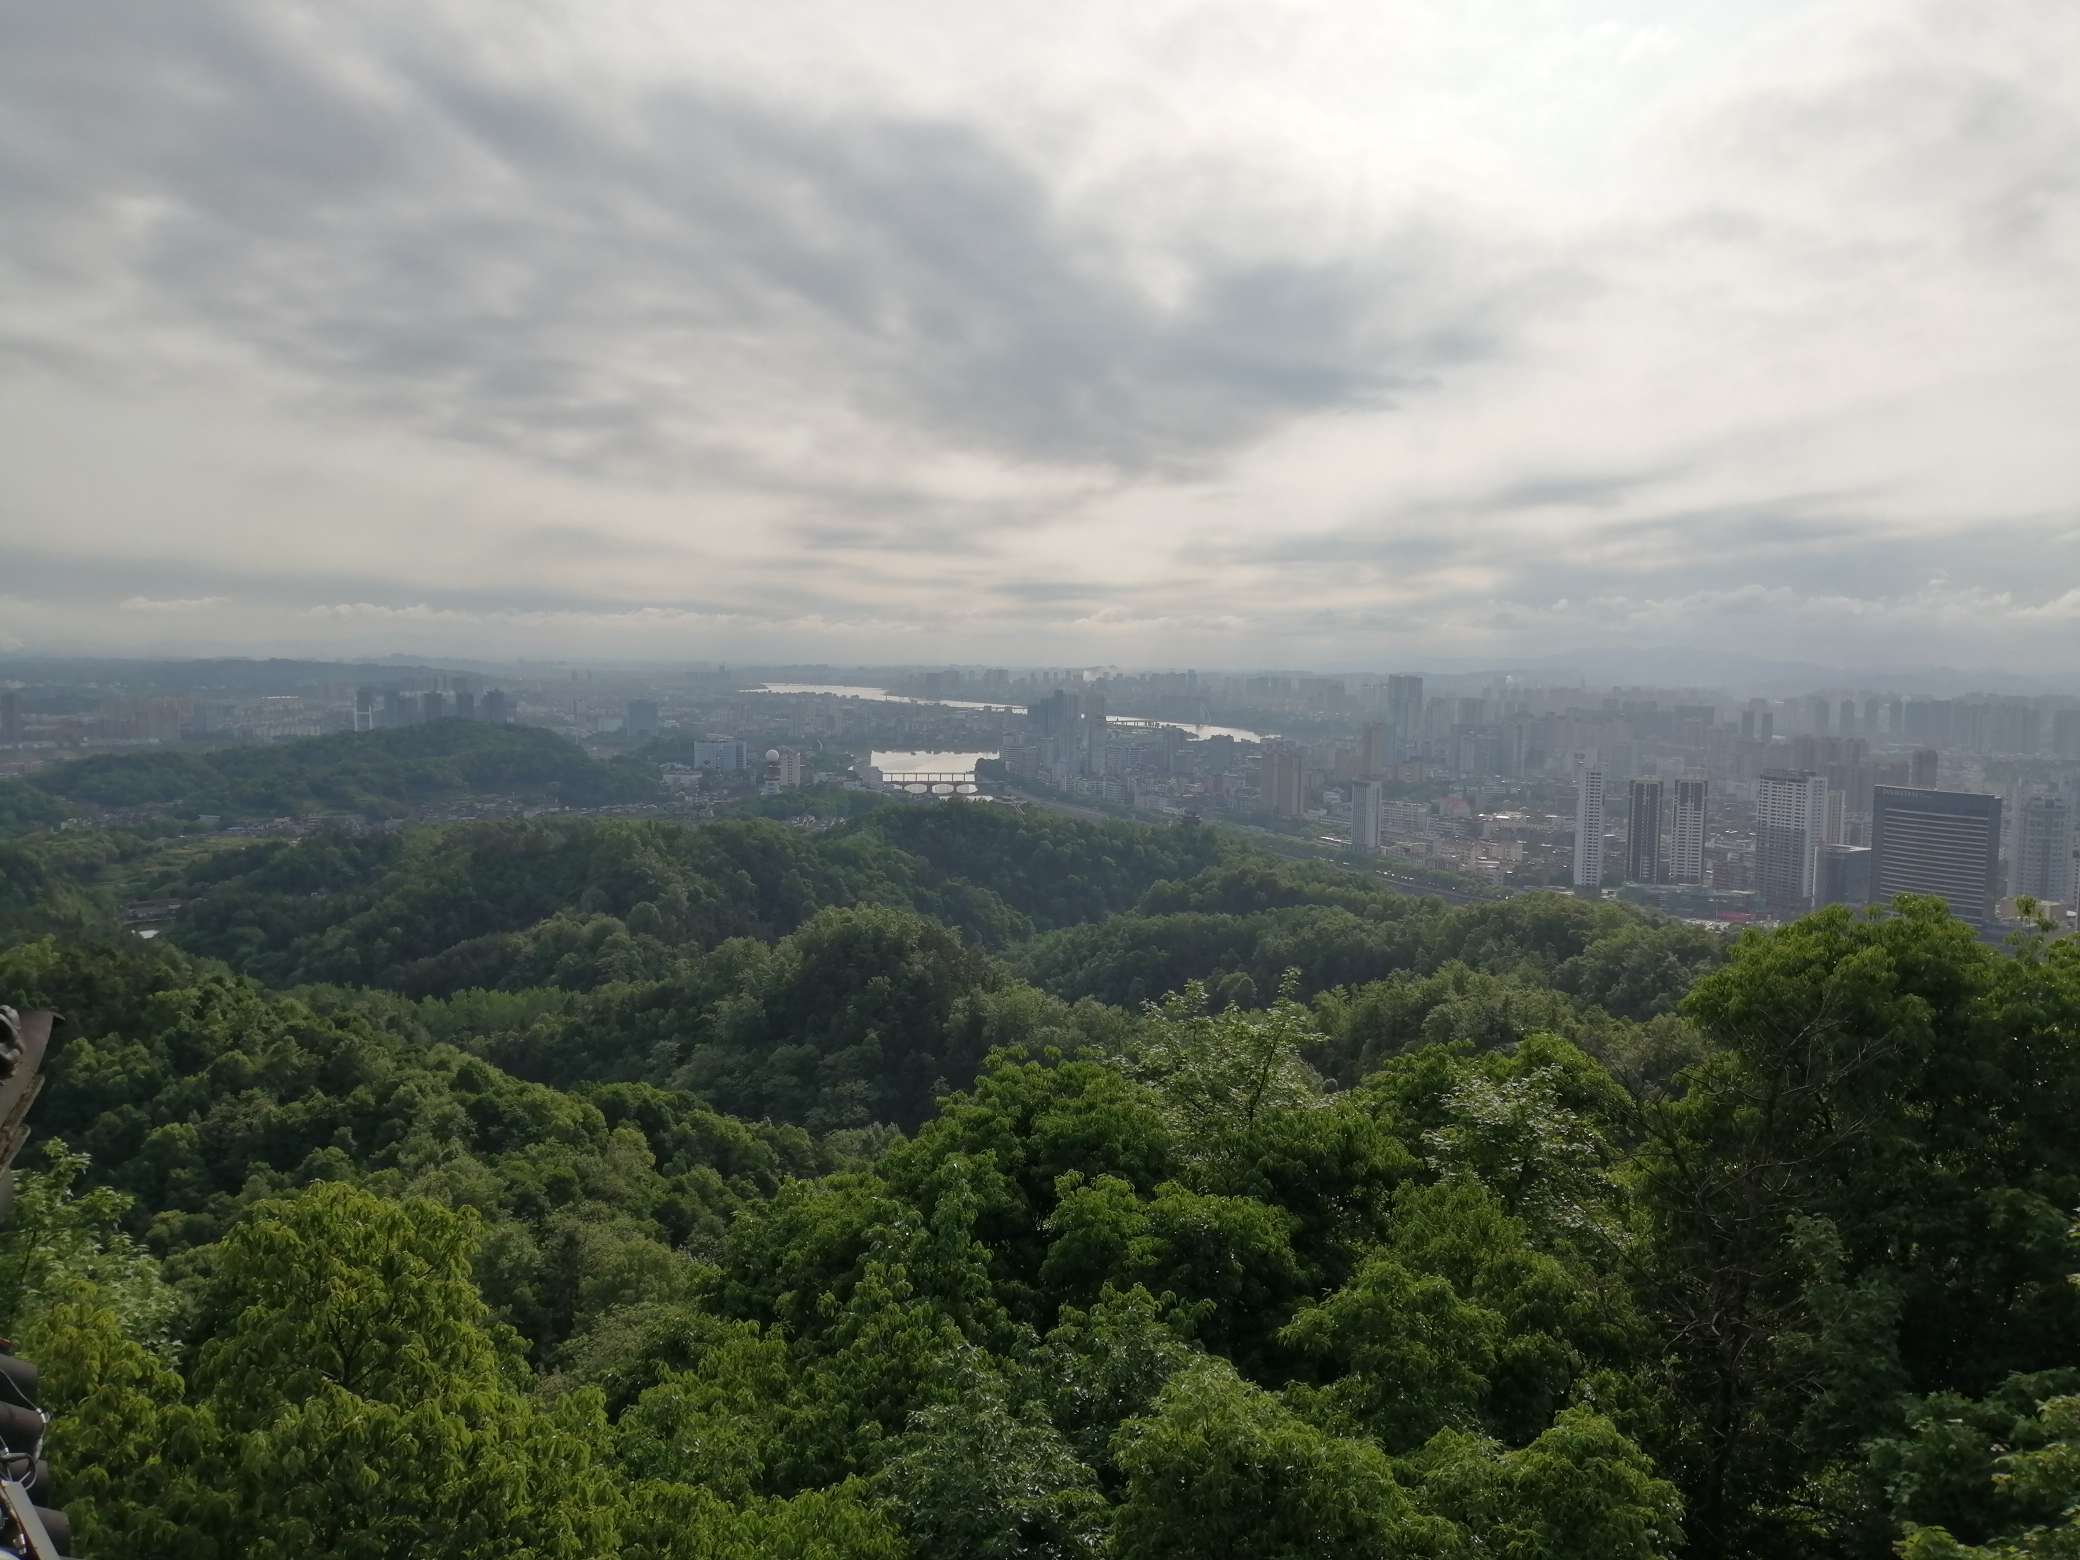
628,1189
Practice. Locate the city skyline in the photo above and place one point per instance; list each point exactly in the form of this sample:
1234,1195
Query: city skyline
1416,335
1717,807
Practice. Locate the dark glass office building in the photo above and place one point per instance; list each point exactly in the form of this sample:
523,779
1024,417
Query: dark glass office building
1643,862
1945,843
1844,875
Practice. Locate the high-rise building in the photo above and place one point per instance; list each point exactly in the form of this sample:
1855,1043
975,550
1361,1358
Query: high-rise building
1365,800
728,754
1404,712
1843,876
1096,733
639,721
1945,843
1375,751
1847,718
465,705
1643,859
1686,861
1588,827
1284,793
494,707
2013,726
433,705
364,709
10,715
2065,733
393,708
2044,850
1790,822
1922,771
1054,717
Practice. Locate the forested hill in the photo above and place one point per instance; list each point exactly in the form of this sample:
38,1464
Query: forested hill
371,774
674,1193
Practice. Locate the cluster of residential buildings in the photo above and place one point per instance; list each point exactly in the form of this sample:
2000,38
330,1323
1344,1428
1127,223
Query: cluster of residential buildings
1703,804
388,709
1713,808
1912,840
118,722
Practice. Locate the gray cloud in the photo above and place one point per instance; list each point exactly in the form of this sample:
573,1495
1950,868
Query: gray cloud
1575,490
1730,560
718,340
1935,131
1421,534
505,268
569,542
1057,593
917,535
1384,546
78,582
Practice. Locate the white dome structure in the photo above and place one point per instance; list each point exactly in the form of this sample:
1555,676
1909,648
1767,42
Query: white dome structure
772,755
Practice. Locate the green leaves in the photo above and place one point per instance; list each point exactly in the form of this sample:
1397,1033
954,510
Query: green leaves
335,1288
2002,1471
1863,1192
1405,1353
1223,1468
459,1476
977,1478
143,1468
1580,1491
62,1242
1135,1284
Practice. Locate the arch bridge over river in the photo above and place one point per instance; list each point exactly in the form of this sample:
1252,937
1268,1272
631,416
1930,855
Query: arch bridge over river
938,783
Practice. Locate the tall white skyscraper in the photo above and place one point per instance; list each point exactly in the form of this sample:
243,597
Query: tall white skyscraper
1686,858
1588,826
1790,826
1365,799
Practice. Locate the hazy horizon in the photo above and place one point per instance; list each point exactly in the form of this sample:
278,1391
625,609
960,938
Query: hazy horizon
1328,336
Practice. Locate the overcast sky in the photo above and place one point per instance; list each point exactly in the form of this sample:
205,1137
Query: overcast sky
1343,333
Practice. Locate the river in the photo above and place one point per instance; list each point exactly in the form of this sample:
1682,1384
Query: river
918,762
882,695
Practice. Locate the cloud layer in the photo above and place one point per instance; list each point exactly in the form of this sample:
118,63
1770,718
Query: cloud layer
1343,335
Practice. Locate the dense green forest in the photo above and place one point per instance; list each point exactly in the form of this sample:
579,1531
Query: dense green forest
377,774
955,1181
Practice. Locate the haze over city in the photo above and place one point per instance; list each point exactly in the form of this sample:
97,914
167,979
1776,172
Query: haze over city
1346,336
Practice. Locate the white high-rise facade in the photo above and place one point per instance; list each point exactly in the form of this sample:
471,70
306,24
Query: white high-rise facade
1686,858
1790,827
1588,826
1365,799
